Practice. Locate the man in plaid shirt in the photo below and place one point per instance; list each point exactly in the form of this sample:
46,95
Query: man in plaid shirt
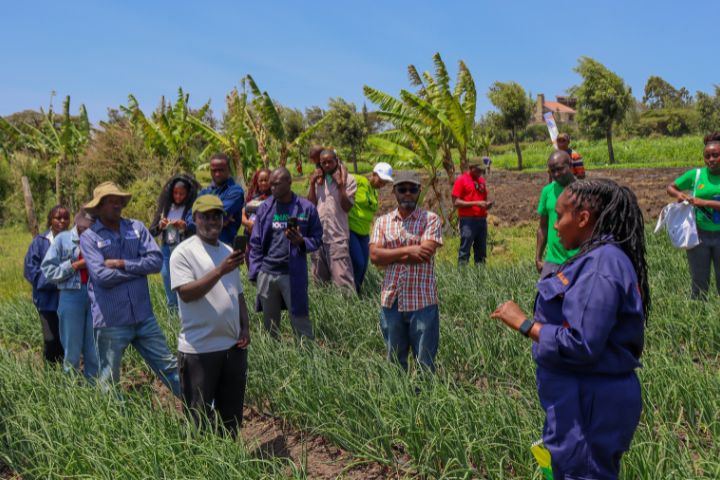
404,243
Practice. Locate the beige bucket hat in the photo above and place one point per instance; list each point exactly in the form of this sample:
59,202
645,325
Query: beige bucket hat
103,190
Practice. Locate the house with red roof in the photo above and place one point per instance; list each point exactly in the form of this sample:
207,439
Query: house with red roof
563,109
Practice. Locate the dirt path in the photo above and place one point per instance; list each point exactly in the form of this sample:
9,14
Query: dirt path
516,194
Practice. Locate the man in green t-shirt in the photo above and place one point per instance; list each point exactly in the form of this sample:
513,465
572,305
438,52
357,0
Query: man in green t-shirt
361,216
560,169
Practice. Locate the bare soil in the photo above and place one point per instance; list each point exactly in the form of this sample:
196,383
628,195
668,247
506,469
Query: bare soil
516,194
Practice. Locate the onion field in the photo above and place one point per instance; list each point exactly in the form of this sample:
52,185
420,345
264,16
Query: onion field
475,418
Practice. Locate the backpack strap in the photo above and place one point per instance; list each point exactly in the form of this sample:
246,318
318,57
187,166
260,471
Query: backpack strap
697,179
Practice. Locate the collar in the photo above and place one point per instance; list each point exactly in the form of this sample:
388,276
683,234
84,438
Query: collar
228,183
74,235
396,214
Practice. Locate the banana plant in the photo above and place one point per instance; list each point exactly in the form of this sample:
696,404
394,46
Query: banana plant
60,141
170,133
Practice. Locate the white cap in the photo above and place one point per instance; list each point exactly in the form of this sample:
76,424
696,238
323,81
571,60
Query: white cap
384,171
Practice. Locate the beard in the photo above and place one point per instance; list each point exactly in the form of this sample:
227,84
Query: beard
408,204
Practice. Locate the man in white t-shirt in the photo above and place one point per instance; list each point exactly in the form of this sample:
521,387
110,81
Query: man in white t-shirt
214,330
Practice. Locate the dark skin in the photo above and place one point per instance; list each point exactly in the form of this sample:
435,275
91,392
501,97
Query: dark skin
574,226
330,166
560,170
220,173
179,193
376,181
711,155
209,226
411,254
59,222
263,181
475,173
281,188
109,212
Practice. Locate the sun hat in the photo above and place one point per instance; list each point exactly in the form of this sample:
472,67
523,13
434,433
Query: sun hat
103,190
384,171
406,176
207,203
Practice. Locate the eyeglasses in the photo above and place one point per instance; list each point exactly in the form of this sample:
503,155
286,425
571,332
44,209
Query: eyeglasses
404,190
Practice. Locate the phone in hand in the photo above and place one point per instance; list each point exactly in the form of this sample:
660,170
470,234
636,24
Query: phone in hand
292,222
240,243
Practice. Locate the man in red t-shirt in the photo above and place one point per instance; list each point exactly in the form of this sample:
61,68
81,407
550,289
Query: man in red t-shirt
470,198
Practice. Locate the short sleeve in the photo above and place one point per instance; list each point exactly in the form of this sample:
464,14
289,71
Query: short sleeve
686,181
457,190
433,229
377,236
180,271
542,205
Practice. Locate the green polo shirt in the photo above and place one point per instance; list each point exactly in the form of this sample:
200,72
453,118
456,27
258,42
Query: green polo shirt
366,204
556,253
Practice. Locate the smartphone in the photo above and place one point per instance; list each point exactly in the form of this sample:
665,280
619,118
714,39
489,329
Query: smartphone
239,243
292,222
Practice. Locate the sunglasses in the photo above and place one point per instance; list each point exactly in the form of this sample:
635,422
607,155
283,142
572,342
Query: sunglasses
403,190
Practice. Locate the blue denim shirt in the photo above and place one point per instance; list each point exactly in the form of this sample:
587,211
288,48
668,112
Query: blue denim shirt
120,296
45,295
592,315
57,264
233,198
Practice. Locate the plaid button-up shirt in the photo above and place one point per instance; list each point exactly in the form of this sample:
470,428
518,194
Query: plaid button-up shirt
413,285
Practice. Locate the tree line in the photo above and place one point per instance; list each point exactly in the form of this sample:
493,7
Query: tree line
432,124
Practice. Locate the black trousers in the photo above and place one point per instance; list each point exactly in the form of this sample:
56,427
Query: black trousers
52,348
214,384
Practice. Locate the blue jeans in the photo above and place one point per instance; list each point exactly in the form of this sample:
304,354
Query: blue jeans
171,296
76,332
419,329
473,234
359,255
148,340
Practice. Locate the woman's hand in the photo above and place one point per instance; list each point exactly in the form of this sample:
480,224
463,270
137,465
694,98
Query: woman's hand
510,313
164,223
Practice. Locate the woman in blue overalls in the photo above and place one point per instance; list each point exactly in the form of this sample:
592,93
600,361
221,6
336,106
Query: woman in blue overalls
588,330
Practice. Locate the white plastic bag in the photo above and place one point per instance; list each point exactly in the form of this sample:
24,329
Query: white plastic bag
679,221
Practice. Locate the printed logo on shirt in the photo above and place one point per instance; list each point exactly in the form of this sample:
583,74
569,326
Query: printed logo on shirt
701,186
279,221
103,243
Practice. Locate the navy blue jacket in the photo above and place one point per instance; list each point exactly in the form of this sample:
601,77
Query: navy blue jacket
45,294
233,198
592,315
310,228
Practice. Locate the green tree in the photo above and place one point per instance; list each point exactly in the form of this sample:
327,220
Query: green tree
515,110
57,140
603,100
708,110
346,128
660,94
169,133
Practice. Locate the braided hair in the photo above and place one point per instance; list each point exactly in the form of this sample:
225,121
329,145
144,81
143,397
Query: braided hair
619,221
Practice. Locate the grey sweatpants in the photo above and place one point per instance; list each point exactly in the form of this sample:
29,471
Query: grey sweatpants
699,260
273,290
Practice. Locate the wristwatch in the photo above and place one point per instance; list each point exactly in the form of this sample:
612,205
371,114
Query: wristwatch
525,327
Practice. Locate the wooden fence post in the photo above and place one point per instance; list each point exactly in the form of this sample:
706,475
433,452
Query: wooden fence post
29,207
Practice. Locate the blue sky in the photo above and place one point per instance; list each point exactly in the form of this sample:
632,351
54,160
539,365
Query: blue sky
303,53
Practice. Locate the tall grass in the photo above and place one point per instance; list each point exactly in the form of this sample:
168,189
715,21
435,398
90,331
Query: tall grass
633,152
475,418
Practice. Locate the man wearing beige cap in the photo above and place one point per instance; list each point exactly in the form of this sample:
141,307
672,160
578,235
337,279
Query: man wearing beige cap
214,331
119,255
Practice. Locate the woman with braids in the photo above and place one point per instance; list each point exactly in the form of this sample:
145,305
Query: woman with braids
258,192
704,183
588,330
174,203
45,294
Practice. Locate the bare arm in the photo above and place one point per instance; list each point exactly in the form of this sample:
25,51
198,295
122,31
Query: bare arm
312,194
541,241
676,193
244,339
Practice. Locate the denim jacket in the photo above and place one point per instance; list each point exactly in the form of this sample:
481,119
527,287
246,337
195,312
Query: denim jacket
57,264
